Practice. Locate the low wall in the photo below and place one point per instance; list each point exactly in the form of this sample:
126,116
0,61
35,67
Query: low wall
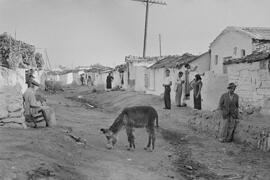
12,85
251,129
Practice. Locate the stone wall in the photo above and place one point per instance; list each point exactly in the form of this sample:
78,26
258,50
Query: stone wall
11,107
12,85
253,84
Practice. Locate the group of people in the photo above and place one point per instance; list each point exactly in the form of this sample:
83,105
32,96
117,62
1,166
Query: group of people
228,103
182,85
86,80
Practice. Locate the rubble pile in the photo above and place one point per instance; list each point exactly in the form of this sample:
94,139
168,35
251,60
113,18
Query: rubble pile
14,53
53,86
11,107
248,130
206,121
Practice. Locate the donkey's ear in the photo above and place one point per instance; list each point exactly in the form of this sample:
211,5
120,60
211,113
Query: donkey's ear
103,130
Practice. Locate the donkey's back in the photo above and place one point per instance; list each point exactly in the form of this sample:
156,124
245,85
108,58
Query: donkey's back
141,116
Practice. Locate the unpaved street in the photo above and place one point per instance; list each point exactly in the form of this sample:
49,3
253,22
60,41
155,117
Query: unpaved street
180,153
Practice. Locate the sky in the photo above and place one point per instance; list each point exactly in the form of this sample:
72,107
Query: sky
85,32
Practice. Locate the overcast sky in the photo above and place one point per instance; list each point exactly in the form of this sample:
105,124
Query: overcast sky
84,32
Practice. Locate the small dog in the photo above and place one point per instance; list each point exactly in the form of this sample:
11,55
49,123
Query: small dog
130,118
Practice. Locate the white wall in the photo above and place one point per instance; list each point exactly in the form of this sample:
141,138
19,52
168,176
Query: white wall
202,63
159,75
224,47
140,78
10,77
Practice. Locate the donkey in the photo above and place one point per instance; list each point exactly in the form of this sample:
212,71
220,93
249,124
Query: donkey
130,118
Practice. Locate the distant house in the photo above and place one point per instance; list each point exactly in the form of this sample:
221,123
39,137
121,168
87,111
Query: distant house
252,76
237,42
120,76
137,71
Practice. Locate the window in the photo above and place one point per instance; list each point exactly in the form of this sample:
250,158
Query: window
235,51
225,68
216,59
243,53
146,80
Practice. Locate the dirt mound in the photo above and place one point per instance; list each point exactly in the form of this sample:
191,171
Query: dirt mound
252,128
116,100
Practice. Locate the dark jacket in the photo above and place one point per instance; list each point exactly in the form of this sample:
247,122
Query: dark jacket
229,107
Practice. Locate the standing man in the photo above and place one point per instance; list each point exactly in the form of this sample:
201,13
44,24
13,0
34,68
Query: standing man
82,79
30,103
228,104
109,81
167,83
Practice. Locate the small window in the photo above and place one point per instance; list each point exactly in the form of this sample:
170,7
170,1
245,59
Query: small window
263,65
235,51
243,53
216,59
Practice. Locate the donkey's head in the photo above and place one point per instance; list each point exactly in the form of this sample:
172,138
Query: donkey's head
110,136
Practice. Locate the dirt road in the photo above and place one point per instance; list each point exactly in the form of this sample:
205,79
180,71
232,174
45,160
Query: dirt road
52,153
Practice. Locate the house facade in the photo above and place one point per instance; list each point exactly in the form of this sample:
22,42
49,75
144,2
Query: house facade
137,71
237,42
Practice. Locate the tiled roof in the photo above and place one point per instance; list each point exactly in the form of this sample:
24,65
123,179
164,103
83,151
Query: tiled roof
141,59
254,57
259,33
173,61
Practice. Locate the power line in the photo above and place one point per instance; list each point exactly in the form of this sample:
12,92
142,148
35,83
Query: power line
146,19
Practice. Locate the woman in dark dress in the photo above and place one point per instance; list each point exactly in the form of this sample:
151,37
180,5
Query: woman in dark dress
109,81
197,86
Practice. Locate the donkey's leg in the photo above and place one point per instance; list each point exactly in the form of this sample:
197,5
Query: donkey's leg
149,140
128,137
131,137
153,136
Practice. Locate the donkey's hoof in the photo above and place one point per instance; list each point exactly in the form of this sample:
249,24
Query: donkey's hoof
129,149
147,148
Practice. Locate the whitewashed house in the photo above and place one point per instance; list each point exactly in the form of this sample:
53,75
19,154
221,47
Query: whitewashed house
237,42
137,71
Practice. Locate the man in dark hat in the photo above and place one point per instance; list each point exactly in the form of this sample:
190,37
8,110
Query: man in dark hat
30,102
228,105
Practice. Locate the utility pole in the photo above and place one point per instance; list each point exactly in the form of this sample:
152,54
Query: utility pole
159,38
148,2
48,60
